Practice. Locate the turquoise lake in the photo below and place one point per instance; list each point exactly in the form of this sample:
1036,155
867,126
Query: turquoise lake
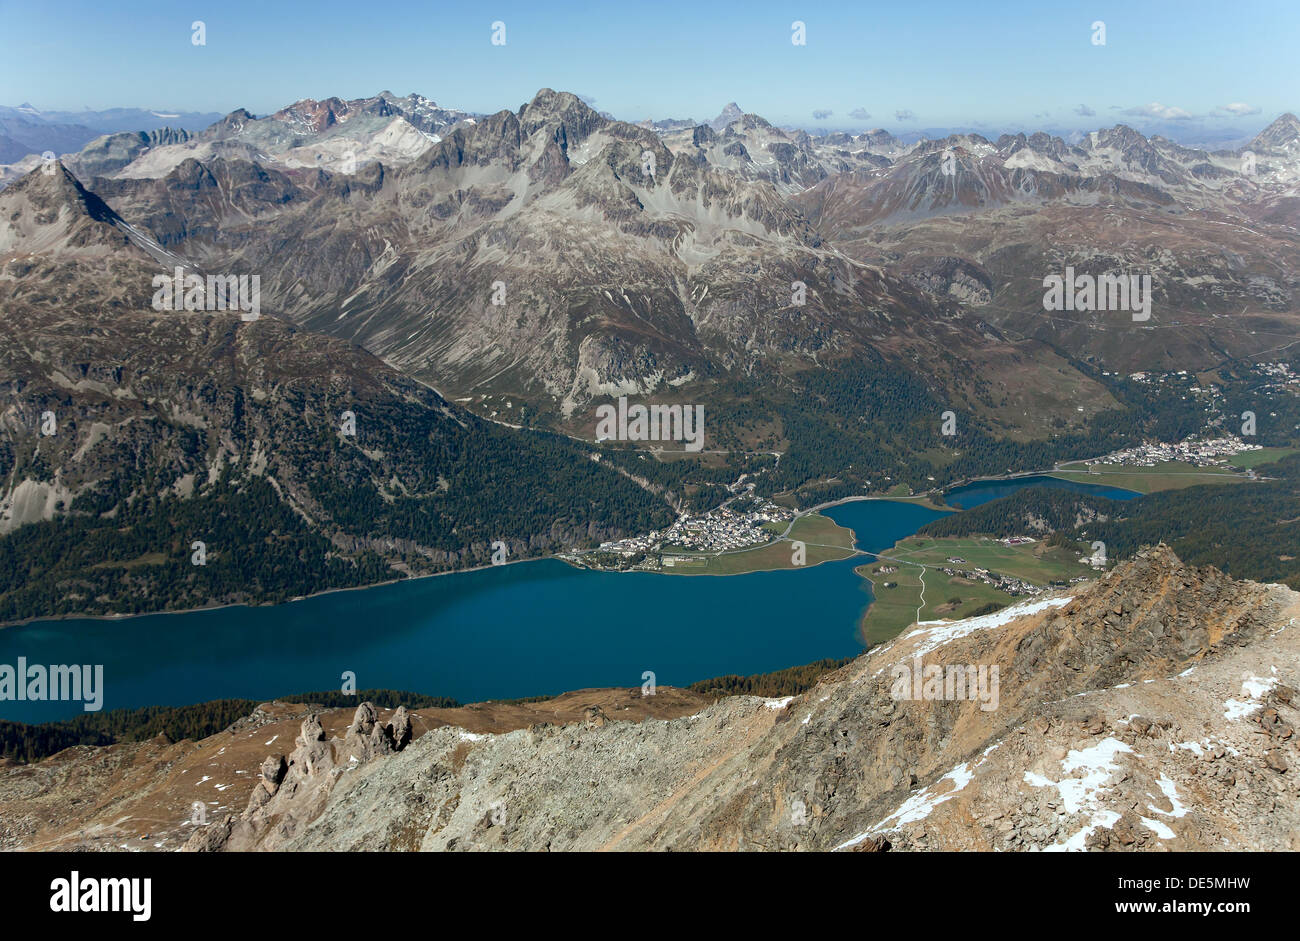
527,629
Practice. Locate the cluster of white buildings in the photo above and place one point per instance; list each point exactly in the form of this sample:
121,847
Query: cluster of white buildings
1198,451
1181,376
633,545
1008,583
723,529
1280,375
716,531
1150,377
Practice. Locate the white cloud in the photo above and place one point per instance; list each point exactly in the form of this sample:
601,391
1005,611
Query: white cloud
1157,110
821,114
904,116
859,114
1239,108
1084,111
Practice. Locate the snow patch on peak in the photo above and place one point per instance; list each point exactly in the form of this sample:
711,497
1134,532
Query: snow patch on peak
934,634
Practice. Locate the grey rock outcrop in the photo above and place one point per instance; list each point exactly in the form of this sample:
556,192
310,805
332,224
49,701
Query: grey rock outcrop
295,791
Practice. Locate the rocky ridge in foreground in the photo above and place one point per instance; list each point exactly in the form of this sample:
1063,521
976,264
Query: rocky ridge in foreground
1154,710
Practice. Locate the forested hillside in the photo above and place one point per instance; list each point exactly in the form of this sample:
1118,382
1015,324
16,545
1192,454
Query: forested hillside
1250,530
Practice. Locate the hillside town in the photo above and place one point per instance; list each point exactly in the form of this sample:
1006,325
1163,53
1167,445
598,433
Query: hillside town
720,530
1279,377
1200,452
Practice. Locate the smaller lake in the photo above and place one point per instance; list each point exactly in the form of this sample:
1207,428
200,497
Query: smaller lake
982,491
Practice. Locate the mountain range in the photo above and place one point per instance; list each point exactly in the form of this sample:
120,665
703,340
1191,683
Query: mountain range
27,130
471,287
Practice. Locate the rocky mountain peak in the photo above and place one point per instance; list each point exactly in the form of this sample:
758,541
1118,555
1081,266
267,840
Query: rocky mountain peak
1282,134
551,103
313,115
1121,136
54,187
1152,615
879,138
230,125
728,114
571,119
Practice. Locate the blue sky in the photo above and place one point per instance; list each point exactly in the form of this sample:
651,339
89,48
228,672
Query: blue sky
996,64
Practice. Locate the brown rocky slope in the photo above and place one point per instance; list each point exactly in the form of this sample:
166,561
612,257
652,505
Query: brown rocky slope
140,795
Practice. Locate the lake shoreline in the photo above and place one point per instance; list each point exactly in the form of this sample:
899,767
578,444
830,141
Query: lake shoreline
498,635
920,499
